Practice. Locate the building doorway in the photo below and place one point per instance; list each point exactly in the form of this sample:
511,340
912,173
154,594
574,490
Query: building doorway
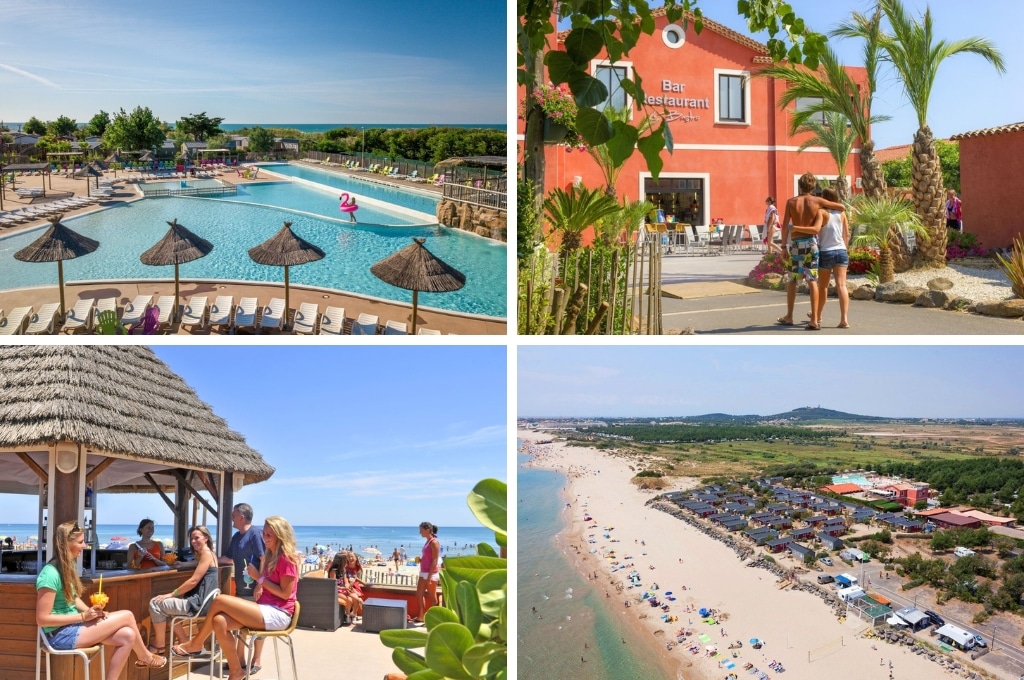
681,199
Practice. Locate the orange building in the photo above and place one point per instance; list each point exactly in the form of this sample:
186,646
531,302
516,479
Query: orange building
732,146
908,494
991,160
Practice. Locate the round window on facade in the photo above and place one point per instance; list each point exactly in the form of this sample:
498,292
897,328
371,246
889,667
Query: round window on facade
673,36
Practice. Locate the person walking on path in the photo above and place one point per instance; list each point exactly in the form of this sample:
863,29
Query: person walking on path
800,226
833,258
771,225
954,211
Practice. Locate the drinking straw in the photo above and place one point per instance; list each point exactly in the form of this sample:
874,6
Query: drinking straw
101,583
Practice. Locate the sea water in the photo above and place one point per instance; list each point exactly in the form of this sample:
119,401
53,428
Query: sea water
573,620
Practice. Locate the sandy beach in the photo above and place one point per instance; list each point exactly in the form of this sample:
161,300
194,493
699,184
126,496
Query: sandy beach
797,629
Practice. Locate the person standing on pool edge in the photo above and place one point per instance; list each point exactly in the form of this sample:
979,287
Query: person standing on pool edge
803,220
247,547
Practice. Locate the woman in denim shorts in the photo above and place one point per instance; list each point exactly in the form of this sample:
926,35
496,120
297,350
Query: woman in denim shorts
833,258
69,623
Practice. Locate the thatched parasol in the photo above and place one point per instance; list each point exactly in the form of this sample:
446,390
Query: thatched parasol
415,268
178,246
118,402
115,158
285,249
88,171
56,245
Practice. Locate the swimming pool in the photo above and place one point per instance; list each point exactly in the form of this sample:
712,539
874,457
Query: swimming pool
322,202
127,230
422,201
859,480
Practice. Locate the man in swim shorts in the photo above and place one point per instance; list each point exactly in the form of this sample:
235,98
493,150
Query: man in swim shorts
800,227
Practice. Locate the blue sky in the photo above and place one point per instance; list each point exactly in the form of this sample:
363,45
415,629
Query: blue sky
358,435
934,381
969,94
303,61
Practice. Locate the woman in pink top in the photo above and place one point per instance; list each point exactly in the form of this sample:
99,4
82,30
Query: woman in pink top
277,580
426,586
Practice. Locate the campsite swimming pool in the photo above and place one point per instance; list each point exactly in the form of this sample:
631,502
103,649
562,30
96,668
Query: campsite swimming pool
405,197
859,480
233,226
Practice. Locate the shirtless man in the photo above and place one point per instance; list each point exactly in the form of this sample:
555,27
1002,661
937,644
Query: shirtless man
803,218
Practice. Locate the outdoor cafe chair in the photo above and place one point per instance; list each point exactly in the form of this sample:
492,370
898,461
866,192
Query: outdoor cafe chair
702,237
755,238
87,654
190,622
250,637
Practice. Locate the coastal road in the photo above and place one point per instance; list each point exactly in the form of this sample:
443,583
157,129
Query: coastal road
755,313
1004,654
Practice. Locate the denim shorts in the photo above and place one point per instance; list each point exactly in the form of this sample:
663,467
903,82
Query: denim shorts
65,637
827,259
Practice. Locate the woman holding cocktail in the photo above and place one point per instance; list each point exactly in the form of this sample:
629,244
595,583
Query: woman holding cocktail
186,599
277,580
69,623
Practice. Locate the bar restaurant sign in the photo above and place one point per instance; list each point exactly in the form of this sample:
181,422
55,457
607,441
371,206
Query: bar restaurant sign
673,102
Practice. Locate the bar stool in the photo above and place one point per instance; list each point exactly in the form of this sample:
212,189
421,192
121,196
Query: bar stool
285,635
215,651
87,654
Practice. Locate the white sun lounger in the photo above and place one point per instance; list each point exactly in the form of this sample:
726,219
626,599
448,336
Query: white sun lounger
333,321
80,316
135,309
194,313
14,323
305,318
245,313
271,316
427,331
220,312
366,324
168,305
395,328
42,321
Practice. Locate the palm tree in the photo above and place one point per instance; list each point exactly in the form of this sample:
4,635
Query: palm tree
623,222
880,218
571,212
869,30
837,137
832,90
915,55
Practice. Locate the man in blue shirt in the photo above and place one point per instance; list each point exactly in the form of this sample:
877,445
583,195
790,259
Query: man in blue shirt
246,548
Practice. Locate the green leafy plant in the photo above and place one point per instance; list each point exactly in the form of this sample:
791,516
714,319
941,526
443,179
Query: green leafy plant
467,637
571,212
1013,266
881,219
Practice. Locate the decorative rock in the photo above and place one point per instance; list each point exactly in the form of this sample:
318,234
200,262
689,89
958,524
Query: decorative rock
957,304
865,292
897,291
940,283
1009,309
933,298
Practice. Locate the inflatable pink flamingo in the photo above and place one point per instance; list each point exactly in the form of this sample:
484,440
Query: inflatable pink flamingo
348,205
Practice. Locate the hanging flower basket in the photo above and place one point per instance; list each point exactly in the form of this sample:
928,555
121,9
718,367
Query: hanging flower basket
554,132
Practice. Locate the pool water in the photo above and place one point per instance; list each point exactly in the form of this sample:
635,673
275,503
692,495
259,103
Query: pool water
422,201
126,231
860,480
174,185
307,199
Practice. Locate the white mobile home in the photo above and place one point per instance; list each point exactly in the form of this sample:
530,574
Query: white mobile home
958,637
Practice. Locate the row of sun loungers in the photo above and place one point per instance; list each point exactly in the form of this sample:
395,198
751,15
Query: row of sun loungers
38,212
144,316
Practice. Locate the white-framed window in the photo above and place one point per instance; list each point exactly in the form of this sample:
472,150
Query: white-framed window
673,36
804,103
732,97
612,75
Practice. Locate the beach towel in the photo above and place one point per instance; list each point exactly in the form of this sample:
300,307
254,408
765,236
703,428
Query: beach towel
729,664
704,638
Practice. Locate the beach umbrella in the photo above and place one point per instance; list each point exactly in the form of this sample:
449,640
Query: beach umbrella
56,245
147,157
285,249
178,246
88,171
115,158
415,268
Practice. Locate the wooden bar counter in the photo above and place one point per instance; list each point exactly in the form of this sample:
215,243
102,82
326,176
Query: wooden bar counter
131,590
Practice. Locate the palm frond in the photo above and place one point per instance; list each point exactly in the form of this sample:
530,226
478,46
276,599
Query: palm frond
834,135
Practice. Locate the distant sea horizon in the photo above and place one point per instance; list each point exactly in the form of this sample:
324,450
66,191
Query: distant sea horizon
324,127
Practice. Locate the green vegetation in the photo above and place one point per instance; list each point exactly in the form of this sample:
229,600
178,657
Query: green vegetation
198,127
139,129
897,172
649,473
712,433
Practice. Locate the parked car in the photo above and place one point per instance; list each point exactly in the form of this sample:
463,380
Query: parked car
979,641
938,620
825,578
827,561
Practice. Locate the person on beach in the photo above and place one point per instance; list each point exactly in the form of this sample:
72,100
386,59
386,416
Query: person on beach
771,225
186,599
277,580
397,559
246,548
800,226
146,553
954,211
833,258
352,573
69,623
337,572
426,585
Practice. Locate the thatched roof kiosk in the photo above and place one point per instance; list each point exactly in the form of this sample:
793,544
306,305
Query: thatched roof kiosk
116,419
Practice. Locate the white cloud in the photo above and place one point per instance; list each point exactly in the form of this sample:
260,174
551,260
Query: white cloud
32,76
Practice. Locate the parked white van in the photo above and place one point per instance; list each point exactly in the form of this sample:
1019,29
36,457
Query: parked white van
961,551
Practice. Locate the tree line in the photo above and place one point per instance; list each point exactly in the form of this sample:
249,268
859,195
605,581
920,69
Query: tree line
708,433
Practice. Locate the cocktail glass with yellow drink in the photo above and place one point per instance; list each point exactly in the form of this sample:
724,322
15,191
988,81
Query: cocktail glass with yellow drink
99,598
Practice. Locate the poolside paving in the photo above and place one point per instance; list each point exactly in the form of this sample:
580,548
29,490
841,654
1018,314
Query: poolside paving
63,187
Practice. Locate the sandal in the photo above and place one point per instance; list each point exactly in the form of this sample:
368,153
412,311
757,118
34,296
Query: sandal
812,327
783,321
159,651
154,662
178,650
843,325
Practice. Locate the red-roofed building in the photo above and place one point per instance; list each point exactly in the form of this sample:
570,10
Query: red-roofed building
949,520
842,488
908,494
